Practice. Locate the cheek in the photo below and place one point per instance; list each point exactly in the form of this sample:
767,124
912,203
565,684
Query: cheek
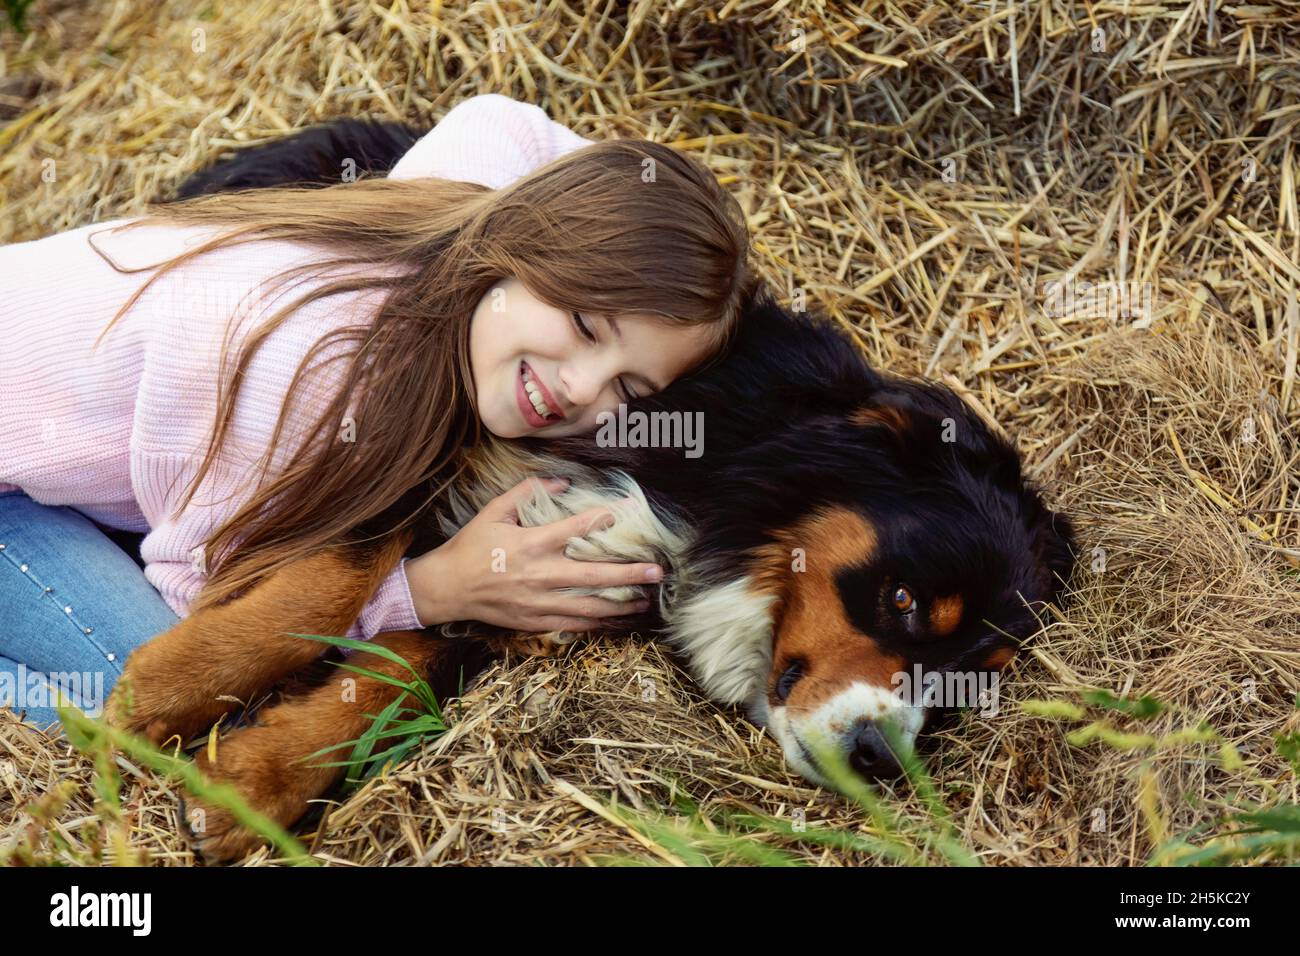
537,333
484,344
497,341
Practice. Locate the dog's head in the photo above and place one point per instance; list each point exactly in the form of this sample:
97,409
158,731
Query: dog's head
921,563
865,550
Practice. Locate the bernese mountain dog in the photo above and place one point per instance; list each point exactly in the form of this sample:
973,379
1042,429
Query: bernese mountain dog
843,530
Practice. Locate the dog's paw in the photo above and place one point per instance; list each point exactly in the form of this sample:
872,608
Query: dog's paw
213,832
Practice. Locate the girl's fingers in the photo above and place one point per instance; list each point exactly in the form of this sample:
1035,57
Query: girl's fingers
580,525
568,573
590,606
504,507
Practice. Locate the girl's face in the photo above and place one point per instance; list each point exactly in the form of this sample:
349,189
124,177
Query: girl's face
541,371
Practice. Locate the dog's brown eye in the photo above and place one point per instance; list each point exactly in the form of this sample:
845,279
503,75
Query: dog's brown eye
904,602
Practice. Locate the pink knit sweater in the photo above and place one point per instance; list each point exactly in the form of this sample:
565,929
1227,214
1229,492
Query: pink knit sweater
118,432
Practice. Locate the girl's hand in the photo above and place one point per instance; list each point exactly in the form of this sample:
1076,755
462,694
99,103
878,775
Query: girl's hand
495,571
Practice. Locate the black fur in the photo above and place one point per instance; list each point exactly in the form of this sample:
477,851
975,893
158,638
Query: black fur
316,156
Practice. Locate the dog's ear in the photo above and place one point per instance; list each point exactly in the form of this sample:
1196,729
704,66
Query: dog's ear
1058,549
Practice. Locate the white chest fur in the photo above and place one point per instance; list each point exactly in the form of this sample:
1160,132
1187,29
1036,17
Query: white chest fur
722,631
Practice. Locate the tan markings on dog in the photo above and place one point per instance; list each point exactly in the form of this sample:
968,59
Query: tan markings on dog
945,615
999,658
266,762
185,679
880,415
811,624
270,762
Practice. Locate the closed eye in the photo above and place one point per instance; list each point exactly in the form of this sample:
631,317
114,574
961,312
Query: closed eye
586,332
583,329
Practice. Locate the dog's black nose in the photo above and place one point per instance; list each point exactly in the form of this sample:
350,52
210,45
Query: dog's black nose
871,755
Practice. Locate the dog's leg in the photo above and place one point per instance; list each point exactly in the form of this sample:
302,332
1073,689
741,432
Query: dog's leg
270,763
218,658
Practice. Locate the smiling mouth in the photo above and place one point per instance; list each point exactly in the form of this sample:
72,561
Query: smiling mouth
535,400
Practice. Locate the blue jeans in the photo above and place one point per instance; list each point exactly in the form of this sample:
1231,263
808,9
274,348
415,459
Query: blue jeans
73,605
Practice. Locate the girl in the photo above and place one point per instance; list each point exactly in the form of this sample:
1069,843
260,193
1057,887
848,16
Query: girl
303,363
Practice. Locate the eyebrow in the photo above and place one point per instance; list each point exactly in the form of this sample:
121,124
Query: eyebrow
618,334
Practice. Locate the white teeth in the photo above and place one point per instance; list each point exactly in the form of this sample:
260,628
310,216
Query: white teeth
535,395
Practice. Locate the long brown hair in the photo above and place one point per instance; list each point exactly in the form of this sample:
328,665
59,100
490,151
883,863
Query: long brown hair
624,226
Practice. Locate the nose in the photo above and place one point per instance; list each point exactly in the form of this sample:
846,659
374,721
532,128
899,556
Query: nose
582,385
871,755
